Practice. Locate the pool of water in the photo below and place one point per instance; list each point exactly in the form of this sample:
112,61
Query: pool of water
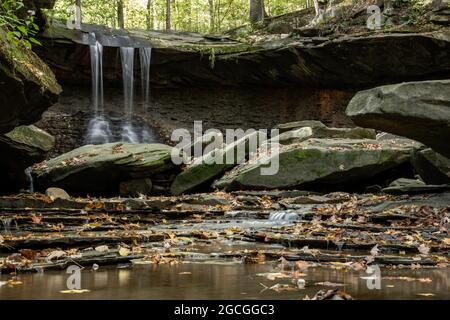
223,280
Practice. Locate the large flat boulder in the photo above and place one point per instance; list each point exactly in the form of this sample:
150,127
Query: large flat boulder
320,162
417,110
27,86
100,169
21,148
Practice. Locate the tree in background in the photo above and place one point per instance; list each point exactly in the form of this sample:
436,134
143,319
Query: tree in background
168,15
203,16
257,11
149,16
120,14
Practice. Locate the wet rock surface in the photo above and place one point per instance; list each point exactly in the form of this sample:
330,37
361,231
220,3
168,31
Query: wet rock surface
349,230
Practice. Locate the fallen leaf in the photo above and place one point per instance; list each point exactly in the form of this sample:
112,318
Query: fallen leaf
375,251
329,284
74,291
13,282
273,276
56,255
423,249
102,248
426,294
123,252
28,254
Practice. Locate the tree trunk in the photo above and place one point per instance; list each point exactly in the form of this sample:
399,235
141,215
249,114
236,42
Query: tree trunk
149,15
168,15
316,7
211,15
120,15
80,16
257,11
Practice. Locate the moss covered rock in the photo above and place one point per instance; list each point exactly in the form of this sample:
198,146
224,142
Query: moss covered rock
320,162
27,86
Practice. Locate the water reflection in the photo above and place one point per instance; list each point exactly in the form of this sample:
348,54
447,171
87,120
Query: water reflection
220,281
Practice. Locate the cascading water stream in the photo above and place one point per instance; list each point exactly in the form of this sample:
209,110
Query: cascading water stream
127,55
96,51
128,132
145,55
29,179
99,128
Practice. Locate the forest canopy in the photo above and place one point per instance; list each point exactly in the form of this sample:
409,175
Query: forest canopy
187,15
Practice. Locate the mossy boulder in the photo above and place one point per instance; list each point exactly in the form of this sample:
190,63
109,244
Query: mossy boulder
319,162
21,148
99,169
27,85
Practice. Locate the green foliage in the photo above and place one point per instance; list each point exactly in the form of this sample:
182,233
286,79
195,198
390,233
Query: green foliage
206,16
19,24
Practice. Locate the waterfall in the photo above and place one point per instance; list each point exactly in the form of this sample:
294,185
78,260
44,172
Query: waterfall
96,51
128,132
29,179
99,128
145,55
6,224
99,131
127,55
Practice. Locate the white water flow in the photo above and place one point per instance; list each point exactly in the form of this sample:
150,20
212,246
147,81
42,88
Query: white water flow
96,51
29,179
99,127
145,55
284,216
128,132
